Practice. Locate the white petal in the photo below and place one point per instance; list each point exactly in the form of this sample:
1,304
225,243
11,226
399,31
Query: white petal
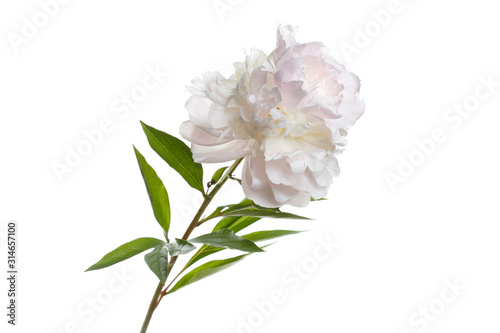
301,201
229,151
307,183
297,163
350,113
253,173
291,94
218,116
331,169
198,108
197,135
201,85
284,194
280,172
258,79
285,39
259,188
336,136
278,147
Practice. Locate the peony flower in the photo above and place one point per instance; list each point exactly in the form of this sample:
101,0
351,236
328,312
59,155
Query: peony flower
287,114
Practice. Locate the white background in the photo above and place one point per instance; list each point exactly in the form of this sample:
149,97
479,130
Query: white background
398,247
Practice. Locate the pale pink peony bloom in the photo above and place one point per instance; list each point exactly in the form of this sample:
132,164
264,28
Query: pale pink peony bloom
286,113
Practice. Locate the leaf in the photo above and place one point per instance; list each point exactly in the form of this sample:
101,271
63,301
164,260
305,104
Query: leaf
205,270
177,154
227,238
246,203
204,251
233,223
157,193
214,214
240,222
179,246
263,213
236,223
269,234
157,261
218,174
248,208
126,251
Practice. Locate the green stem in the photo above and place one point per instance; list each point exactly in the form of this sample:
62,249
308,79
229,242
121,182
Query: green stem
152,307
158,295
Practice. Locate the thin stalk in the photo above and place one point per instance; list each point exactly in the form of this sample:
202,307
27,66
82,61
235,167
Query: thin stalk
152,307
158,295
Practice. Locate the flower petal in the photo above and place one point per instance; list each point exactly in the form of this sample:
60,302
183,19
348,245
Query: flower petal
198,108
255,185
229,151
307,183
278,147
280,172
197,135
301,200
291,95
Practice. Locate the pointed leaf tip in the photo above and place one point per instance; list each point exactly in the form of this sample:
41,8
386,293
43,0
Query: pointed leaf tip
177,155
126,251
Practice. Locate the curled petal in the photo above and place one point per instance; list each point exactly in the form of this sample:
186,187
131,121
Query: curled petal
280,172
229,151
198,108
197,135
255,185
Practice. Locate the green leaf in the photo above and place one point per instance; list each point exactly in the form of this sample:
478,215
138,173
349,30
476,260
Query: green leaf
177,154
214,214
233,223
206,270
269,234
248,208
204,251
179,247
246,203
227,238
157,261
236,223
126,251
240,222
218,174
263,213
157,193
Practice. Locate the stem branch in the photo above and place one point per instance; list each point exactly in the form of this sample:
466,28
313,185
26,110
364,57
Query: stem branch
158,295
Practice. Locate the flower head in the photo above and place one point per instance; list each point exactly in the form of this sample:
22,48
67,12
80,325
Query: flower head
286,113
